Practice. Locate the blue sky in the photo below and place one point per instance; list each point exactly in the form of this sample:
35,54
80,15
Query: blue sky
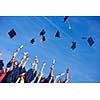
84,61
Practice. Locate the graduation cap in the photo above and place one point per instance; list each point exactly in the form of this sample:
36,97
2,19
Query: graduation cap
42,32
32,41
43,39
65,18
90,41
73,45
83,37
57,34
12,33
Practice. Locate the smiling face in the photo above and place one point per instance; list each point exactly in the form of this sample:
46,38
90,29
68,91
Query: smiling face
15,63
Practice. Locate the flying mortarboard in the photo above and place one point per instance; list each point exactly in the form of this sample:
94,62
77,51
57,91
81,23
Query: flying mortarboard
65,18
90,41
12,33
73,45
32,41
57,34
43,39
42,32
83,37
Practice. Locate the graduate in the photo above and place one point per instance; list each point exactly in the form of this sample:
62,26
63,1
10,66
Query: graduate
21,78
66,78
16,70
31,73
49,79
9,66
2,72
39,77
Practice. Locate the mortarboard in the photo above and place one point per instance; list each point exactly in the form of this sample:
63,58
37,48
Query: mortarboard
32,41
83,37
42,32
73,45
57,34
90,41
43,39
65,18
12,34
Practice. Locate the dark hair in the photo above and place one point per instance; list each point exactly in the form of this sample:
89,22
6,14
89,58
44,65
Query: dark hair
9,64
1,64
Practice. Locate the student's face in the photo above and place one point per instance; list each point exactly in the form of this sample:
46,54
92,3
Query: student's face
15,63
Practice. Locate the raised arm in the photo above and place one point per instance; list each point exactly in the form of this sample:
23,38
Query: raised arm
16,53
67,75
51,71
24,64
58,76
41,72
23,58
34,64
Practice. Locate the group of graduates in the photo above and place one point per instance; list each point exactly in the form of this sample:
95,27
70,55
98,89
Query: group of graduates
15,71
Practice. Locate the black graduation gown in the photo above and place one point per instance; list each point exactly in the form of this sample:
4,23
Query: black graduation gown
29,76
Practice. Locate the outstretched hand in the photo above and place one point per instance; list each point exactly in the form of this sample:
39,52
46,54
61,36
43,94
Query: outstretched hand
52,67
67,70
25,53
44,63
